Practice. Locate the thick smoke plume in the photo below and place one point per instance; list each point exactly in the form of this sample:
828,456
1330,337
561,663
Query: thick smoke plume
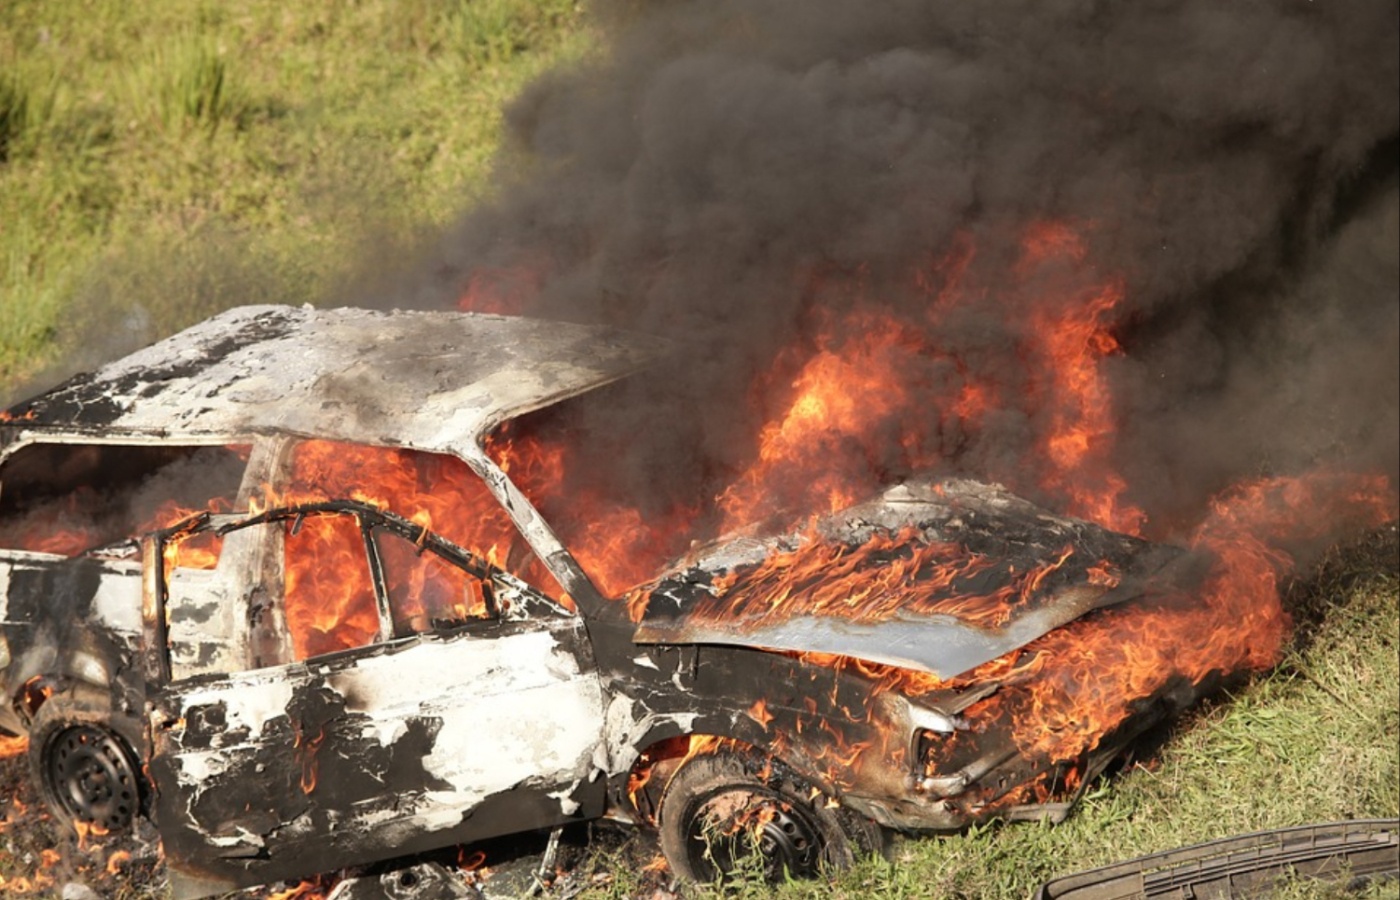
742,176
769,181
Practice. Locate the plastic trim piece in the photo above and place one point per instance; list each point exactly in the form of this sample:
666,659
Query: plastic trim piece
1248,866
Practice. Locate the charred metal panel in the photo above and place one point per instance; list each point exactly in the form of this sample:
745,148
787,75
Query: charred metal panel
357,756
77,619
429,380
209,612
1050,569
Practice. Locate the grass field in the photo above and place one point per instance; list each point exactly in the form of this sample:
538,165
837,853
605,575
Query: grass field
162,160
196,154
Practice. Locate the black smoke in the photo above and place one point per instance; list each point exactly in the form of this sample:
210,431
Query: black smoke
724,172
734,174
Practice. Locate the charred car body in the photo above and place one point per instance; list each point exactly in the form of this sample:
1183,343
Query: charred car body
183,676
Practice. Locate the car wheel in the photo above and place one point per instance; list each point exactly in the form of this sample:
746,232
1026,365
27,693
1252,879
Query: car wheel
84,768
729,815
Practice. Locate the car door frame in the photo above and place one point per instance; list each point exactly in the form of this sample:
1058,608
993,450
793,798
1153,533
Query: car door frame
199,868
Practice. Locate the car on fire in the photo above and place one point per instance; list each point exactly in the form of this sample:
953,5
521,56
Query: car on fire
295,687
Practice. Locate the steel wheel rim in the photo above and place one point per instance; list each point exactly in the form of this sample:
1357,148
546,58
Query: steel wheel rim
729,826
91,776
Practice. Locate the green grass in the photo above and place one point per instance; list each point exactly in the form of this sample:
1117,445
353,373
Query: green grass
174,158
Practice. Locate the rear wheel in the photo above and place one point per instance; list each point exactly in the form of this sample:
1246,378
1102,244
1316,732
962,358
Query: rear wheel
730,815
85,769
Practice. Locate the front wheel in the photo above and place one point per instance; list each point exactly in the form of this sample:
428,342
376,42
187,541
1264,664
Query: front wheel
85,770
730,815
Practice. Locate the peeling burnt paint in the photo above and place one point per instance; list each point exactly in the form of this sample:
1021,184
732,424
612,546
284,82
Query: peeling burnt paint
432,381
75,623
97,400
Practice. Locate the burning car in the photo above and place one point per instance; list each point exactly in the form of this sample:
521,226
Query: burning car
291,683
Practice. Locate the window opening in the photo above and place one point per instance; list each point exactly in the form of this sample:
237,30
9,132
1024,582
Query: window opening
329,599
426,591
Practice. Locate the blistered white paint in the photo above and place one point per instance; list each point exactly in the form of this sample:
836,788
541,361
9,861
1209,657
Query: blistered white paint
117,603
89,668
255,699
513,709
5,567
416,814
567,804
207,616
395,682
431,380
199,768
627,722
243,838
507,738
370,816
383,731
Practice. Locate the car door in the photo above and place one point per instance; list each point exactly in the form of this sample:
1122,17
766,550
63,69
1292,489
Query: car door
430,711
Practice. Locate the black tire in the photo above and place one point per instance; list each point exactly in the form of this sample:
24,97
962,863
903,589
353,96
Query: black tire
727,815
84,768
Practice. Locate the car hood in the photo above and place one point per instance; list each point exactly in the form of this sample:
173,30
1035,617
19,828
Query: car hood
934,576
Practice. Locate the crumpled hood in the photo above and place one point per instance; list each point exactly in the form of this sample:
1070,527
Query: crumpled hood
938,577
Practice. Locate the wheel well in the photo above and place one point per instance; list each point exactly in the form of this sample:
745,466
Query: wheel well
656,765
796,828
41,689
34,693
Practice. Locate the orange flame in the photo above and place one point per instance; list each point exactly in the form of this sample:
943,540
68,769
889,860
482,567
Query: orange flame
311,889
306,749
1074,685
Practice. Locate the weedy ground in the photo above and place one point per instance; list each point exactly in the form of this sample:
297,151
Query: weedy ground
164,160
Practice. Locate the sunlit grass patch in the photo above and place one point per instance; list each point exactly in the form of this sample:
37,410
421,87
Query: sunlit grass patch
265,140
188,84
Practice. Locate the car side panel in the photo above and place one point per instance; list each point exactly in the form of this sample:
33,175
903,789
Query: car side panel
367,754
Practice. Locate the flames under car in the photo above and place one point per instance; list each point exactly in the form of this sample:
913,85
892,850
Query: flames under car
325,683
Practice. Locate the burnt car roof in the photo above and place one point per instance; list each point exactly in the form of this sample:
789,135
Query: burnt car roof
428,380
979,572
